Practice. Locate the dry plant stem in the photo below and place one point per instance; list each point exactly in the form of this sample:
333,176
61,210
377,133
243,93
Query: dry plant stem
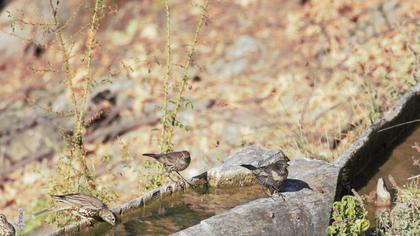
169,115
398,125
189,58
75,149
165,144
359,198
368,88
79,103
79,123
187,65
65,54
413,177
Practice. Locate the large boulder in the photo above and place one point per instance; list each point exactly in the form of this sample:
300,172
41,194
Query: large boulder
230,173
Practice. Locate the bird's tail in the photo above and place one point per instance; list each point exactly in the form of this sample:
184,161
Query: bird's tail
152,155
48,210
39,213
62,197
249,167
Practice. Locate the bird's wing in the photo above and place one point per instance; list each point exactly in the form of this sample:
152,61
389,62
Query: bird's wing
275,174
170,158
276,169
265,180
166,160
278,164
80,200
177,155
172,155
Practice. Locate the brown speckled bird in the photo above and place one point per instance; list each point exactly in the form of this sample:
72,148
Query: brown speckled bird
271,176
6,229
173,161
81,205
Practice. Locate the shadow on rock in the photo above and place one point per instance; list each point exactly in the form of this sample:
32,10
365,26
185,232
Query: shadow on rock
294,185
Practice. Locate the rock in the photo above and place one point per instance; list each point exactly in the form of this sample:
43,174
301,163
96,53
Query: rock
231,173
372,147
309,193
245,51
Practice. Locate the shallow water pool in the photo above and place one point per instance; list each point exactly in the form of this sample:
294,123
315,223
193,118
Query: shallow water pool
178,211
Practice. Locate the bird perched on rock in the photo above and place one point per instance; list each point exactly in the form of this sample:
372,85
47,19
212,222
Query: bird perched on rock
173,161
6,229
81,205
271,176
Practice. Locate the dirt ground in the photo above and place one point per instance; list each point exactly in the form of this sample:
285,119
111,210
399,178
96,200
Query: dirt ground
302,76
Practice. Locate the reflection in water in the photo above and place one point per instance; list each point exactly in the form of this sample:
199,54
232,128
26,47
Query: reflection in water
399,165
177,212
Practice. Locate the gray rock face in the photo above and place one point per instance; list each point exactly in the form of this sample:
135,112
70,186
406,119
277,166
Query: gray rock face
245,51
231,173
309,193
373,145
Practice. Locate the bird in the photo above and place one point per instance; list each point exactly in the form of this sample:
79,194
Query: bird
173,161
380,197
271,176
6,229
82,205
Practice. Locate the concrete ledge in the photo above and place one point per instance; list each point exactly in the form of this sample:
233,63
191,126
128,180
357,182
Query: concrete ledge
361,160
309,195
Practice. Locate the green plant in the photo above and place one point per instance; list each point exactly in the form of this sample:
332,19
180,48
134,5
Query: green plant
76,151
72,171
156,180
171,105
349,217
404,218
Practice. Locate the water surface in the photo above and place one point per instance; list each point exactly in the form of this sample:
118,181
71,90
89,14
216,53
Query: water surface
399,164
179,211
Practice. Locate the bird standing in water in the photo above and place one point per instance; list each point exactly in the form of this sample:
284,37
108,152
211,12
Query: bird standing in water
271,176
6,229
81,205
173,161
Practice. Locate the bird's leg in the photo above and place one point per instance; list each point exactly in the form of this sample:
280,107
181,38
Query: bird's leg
280,195
76,213
267,190
184,179
268,193
168,174
90,220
